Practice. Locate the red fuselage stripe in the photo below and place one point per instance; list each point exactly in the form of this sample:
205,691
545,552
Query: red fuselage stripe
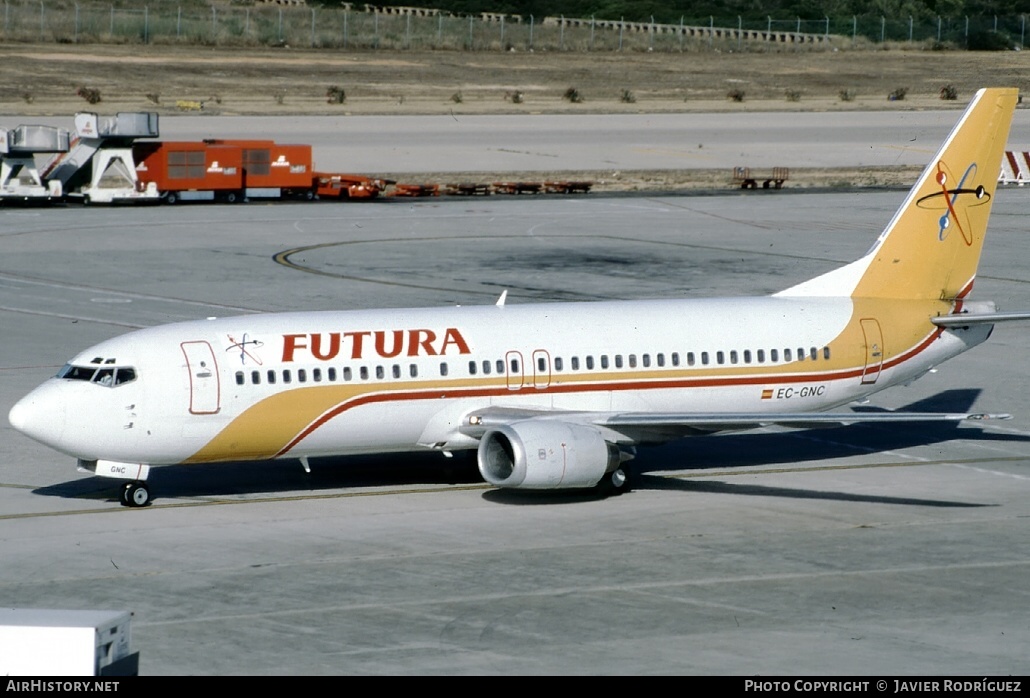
428,394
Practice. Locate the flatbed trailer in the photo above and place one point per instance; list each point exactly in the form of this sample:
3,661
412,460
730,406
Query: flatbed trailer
348,186
772,179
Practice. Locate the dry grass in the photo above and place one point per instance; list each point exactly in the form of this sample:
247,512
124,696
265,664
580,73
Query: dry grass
404,82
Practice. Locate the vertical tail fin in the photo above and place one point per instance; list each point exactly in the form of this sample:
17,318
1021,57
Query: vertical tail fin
931,248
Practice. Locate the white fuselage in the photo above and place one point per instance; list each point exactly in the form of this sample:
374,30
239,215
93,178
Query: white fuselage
329,383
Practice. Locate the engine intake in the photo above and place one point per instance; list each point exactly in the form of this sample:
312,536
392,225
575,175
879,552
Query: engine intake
545,454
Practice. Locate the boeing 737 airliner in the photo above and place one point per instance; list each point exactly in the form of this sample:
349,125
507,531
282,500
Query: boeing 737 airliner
552,395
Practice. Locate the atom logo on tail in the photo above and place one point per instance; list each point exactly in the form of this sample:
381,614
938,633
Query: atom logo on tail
955,201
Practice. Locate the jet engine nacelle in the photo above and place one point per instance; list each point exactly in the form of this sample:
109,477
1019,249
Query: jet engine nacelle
545,454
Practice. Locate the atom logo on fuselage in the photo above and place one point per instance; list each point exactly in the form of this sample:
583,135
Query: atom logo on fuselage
245,352
956,200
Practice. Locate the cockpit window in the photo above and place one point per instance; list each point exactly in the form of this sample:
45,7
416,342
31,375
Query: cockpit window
77,373
103,375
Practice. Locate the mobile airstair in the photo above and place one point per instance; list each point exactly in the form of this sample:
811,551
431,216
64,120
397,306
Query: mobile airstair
98,167
20,178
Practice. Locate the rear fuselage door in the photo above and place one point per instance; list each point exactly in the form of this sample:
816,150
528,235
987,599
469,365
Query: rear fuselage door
205,390
873,350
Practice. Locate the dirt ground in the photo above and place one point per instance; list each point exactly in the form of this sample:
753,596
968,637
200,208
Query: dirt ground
44,80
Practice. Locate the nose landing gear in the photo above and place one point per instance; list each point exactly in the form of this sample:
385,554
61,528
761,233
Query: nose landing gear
135,494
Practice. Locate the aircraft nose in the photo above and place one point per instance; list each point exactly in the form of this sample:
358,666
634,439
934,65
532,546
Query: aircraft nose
38,417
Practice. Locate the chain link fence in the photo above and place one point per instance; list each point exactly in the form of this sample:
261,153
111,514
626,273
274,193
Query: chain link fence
321,27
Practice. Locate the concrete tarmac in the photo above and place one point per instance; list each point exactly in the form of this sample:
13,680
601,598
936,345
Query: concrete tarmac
868,550
374,145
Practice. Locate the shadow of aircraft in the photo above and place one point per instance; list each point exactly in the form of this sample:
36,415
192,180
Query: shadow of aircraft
699,453
285,477
741,449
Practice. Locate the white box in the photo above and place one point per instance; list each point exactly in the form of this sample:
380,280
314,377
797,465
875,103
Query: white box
39,642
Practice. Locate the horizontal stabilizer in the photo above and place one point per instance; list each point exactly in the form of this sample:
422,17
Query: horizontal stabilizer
968,319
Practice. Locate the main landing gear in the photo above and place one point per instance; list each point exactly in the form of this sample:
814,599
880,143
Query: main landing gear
135,494
614,483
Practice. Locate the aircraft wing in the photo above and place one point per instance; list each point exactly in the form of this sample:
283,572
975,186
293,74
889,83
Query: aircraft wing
548,449
647,426
708,423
